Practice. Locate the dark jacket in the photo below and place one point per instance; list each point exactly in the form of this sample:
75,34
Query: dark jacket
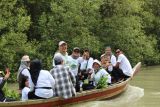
2,95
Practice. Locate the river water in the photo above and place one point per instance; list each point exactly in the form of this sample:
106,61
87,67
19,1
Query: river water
143,91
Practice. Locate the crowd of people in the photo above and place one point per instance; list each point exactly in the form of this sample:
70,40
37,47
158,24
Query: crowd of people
70,73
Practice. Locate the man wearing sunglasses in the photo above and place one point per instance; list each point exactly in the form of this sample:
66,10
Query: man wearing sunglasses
123,66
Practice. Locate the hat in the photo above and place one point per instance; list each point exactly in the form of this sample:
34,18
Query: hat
25,58
102,55
62,42
58,59
96,61
76,48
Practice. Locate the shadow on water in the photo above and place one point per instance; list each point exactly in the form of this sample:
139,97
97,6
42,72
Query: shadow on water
130,96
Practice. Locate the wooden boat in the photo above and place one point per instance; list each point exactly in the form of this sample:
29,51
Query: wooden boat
95,94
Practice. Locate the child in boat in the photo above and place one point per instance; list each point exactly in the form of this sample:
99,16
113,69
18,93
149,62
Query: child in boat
25,88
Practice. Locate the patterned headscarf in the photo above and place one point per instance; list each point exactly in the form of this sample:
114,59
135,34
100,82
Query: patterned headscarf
23,65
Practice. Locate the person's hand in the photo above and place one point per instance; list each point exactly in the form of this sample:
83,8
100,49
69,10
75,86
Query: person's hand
84,56
7,74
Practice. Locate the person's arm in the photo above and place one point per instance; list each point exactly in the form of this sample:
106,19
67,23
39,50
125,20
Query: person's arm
113,60
73,79
117,65
2,83
120,57
51,79
5,78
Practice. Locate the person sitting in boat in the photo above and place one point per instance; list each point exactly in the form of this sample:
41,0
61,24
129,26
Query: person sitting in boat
65,79
24,70
2,83
62,51
123,66
108,52
25,88
74,65
86,63
99,72
42,85
105,63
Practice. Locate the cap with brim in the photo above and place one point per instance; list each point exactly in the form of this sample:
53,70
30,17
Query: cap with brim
61,43
96,61
25,58
76,49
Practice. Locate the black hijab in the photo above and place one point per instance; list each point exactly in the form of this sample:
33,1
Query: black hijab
35,67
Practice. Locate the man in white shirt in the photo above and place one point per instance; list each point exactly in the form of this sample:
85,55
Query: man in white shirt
74,60
74,65
62,51
123,66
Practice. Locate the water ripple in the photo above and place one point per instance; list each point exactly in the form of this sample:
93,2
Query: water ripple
130,96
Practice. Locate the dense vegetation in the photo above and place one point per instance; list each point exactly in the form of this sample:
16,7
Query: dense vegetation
35,27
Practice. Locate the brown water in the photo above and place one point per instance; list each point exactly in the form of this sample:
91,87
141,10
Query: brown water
144,91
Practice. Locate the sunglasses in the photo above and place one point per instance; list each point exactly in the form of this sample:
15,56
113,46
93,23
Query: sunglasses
28,61
117,51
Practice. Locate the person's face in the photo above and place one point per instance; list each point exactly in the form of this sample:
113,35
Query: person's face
76,53
63,48
95,66
28,63
108,51
105,59
118,52
86,54
27,83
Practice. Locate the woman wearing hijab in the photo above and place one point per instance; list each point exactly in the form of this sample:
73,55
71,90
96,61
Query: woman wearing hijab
42,85
24,70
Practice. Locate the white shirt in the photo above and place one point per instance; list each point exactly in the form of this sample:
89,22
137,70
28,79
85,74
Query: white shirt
101,73
64,57
25,91
113,60
125,65
73,64
86,64
27,73
45,79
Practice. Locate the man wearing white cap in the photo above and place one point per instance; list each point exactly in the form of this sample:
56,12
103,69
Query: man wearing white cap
24,70
62,51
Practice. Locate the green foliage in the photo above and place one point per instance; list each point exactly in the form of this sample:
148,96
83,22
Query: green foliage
35,27
10,93
102,83
124,29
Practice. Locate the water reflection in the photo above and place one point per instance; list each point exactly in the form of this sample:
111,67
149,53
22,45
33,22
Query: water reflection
130,96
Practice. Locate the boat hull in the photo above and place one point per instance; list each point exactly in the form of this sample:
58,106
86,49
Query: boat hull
96,94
